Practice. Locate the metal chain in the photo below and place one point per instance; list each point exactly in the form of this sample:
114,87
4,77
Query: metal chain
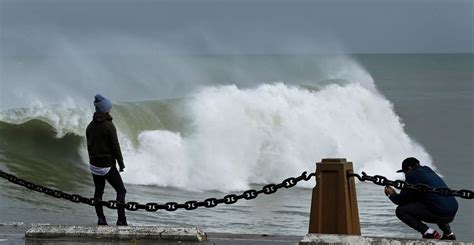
153,207
399,184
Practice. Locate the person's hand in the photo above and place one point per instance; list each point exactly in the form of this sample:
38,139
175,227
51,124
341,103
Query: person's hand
389,190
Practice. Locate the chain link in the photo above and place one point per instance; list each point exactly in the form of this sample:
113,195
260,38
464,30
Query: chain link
399,184
153,207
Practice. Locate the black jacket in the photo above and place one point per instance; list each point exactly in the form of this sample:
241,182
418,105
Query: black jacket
445,206
102,142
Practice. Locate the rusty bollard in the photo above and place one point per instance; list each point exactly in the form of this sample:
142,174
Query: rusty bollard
334,202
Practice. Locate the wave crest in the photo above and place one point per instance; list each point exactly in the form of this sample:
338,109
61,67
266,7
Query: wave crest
262,135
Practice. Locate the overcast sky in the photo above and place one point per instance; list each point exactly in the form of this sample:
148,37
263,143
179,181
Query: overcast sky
227,26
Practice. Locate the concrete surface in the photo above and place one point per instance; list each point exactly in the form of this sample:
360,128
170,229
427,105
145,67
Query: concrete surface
327,239
116,233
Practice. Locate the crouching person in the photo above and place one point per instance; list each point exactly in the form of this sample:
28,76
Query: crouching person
416,207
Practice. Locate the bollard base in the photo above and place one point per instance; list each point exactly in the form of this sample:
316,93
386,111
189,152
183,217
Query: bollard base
115,233
332,239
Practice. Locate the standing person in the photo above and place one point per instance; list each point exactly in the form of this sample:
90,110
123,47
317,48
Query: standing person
104,150
415,207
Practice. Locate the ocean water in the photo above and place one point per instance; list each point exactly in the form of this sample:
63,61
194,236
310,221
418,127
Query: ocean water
195,127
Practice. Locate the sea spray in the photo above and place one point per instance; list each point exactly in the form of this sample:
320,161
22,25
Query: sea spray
341,67
265,134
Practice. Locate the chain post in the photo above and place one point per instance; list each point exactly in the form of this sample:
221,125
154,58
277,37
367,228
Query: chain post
334,202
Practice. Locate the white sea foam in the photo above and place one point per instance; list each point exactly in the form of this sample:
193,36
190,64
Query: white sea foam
265,134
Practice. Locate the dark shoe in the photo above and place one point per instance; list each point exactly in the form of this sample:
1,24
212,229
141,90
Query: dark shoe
434,235
101,221
122,222
448,237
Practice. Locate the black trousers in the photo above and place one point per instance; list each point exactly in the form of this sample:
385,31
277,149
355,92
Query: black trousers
413,214
114,179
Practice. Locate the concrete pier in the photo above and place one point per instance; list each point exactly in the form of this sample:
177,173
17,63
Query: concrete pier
328,239
115,233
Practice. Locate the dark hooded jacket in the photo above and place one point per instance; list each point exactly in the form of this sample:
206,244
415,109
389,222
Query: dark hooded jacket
445,206
102,142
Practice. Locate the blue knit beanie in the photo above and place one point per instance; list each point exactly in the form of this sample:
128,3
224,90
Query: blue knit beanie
102,104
